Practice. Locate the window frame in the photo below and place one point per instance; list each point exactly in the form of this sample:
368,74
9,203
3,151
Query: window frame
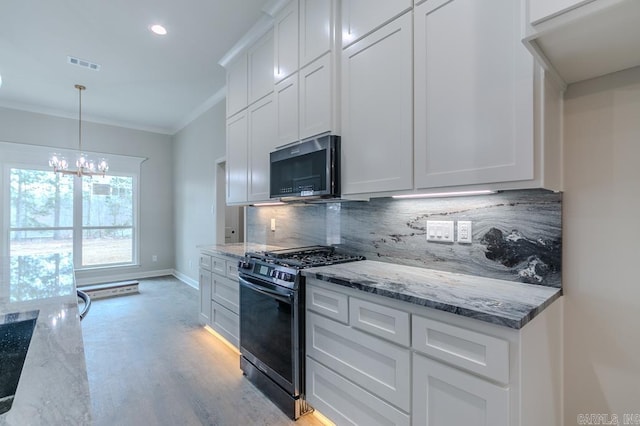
30,157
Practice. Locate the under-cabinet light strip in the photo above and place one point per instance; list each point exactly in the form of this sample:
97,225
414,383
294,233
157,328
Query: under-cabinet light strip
446,194
274,203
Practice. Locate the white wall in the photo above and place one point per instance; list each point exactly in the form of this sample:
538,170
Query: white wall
602,246
195,150
156,196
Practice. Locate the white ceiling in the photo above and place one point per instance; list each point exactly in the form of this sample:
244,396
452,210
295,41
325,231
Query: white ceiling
146,81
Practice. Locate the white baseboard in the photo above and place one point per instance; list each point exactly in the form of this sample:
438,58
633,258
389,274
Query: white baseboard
186,279
125,277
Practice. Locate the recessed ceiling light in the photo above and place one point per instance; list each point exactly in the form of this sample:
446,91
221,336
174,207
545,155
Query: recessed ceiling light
159,29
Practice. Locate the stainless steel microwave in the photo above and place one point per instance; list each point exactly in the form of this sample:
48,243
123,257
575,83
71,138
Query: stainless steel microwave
307,169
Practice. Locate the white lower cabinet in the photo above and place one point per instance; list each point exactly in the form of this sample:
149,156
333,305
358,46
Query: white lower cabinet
444,396
373,360
369,362
348,404
220,296
204,284
226,323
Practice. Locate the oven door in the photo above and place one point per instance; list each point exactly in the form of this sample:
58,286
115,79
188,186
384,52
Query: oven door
270,331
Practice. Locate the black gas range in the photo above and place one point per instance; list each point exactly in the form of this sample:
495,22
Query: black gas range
272,320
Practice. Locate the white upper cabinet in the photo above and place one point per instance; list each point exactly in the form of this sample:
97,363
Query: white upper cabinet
236,165
473,94
285,33
237,85
262,140
360,17
286,94
317,29
581,39
318,98
260,65
377,124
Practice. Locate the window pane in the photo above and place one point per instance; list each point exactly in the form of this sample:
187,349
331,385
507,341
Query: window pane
107,246
107,201
40,199
29,243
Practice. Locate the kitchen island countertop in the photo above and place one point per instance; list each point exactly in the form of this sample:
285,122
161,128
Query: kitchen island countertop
53,388
504,303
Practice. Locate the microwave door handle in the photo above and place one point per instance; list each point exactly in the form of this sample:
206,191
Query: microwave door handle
265,291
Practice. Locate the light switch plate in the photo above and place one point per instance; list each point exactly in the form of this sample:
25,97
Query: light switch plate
440,230
465,234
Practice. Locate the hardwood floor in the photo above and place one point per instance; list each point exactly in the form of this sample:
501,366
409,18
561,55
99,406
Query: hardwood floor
149,362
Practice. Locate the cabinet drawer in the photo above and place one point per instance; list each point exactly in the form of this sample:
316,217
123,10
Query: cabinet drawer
328,303
388,323
219,265
232,269
345,403
226,292
485,355
372,363
205,261
226,323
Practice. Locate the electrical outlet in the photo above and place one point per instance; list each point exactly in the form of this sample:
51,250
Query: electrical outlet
465,235
154,258
440,230
273,225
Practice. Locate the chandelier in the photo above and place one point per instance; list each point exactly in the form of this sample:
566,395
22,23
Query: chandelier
84,165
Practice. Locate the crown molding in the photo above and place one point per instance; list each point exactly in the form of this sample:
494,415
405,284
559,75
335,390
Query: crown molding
37,109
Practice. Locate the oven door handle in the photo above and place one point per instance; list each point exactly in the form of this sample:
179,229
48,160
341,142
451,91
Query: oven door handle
268,292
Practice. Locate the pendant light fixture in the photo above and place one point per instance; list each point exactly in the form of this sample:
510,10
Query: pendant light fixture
84,165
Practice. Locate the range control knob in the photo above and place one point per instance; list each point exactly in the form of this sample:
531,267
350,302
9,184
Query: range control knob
243,264
286,277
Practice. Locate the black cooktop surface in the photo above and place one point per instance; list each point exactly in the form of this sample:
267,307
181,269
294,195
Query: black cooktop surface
306,257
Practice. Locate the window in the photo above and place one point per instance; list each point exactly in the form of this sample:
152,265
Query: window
107,220
92,219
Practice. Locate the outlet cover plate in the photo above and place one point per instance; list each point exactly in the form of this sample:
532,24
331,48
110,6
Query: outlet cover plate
465,234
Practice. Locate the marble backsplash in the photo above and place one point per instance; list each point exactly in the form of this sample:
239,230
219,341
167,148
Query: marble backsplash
517,235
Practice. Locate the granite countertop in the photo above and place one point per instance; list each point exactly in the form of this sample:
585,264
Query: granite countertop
504,303
53,388
236,249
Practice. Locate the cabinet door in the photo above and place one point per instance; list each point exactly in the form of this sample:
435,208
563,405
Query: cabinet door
285,35
262,140
444,396
237,85
286,94
226,323
345,403
260,66
473,94
226,292
317,98
377,124
317,29
360,17
236,165
382,368
204,282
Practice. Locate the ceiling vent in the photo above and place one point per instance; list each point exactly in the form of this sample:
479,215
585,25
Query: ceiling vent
83,63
